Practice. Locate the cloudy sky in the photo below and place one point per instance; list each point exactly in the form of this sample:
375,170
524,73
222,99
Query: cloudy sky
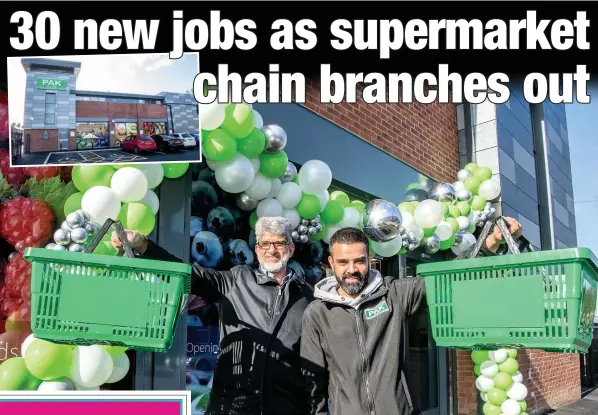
135,73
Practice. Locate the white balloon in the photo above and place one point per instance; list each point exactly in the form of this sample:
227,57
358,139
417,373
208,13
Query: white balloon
269,207
517,377
314,177
489,189
26,343
497,356
259,121
151,199
463,223
484,396
154,173
129,184
83,388
276,184
58,385
101,203
388,248
444,230
289,195
428,213
330,231
211,116
92,366
260,188
292,216
458,186
489,369
517,391
256,164
323,196
350,218
215,165
510,407
235,176
484,384
121,368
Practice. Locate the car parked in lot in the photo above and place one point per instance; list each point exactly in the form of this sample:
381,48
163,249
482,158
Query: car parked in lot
188,139
166,142
196,136
138,143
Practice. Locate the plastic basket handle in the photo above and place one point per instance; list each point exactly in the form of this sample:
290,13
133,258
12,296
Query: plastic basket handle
121,235
504,228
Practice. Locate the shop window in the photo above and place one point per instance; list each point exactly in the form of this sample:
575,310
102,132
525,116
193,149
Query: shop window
50,115
152,128
92,135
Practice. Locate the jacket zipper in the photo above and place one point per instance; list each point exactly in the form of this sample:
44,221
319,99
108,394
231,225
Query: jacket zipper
365,373
274,312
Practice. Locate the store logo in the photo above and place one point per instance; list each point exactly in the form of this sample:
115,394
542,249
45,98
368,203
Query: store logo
376,311
47,83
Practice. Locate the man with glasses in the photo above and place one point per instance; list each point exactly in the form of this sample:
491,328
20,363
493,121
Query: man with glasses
259,367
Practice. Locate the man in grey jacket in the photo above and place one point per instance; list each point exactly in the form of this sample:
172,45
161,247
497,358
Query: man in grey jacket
259,367
353,343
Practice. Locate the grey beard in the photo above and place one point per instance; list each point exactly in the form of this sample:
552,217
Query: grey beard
352,288
275,267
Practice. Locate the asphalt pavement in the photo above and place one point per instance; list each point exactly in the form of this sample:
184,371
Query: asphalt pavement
586,406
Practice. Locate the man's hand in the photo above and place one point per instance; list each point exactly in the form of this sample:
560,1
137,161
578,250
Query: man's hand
496,238
137,241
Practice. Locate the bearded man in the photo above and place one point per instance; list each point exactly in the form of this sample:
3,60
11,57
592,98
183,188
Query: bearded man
260,313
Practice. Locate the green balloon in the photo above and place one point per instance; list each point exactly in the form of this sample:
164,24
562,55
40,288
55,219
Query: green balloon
490,409
296,179
454,211
48,361
86,176
523,413
273,165
239,120
503,381
523,405
478,203
115,351
309,206
471,167
447,244
512,353
371,249
445,211
509,366
497,396
333,213
429,231
253,219
358,205
219,146
479,356
319,235
477,370
253,145
175,170
73,203
482,173
464,208
472,184
454,224
406,207
14,376
138,217
340,197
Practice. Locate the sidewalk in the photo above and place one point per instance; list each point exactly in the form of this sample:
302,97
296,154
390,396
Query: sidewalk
587,405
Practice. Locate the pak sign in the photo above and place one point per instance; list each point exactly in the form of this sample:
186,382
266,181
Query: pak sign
47,83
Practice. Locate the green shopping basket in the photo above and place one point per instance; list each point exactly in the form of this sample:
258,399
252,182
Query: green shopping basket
83,299
536,300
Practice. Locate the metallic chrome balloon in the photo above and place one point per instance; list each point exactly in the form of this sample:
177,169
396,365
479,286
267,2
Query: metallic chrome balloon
405,243
84,214
443,192
91,229
458,238
295,236
76,247
463,175
319,227
415,195
492,211
304,222
303,238
289,174
381,220
79,235
315,221
432,244
246,203
62,237
312,230
50,245
75,220
60,248
276,138
65,226
412,247
302,229
463,195
402,230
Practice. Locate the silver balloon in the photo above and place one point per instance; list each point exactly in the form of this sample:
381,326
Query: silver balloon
402,229
303,238
458,238
75,220
412,236
381,220
295,236
463,175
276,138
415,195
50,245
412,247
84,214
312,230
315,221
492,211
405,244
464,195
404,237
302,229
443,192
91,229
76,247
246,203
319,227
289,174
60,248
432,244
79,235
304,222
65,226
62,237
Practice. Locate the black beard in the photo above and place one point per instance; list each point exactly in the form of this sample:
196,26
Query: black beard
352,288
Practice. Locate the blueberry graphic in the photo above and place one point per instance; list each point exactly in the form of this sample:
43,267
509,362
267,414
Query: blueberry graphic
239,253
204,198
314,273
196,169
317,251
297,268
252,240
206,249
208,175
221,222
197,225
235,211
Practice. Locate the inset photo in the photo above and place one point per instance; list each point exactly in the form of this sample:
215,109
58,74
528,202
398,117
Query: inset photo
103,109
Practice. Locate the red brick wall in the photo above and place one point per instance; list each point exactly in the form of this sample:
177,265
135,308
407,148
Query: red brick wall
37,144
112,110
421,135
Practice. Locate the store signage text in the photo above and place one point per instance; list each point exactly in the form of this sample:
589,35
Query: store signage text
47,83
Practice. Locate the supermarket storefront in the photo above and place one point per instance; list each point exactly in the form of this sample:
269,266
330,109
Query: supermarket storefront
59,116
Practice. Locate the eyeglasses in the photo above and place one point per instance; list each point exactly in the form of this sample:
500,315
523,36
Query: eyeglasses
278,245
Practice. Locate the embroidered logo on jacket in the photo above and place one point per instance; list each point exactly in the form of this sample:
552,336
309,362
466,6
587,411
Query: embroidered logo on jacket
375,311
